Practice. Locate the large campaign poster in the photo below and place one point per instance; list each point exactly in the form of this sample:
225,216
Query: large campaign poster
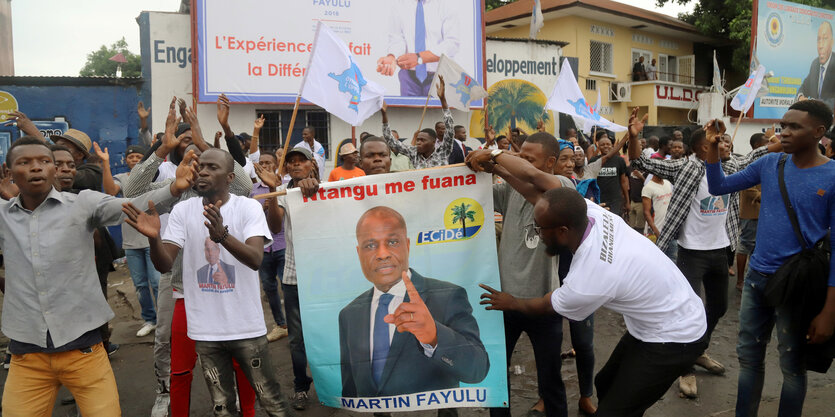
795,43
353,241
256,51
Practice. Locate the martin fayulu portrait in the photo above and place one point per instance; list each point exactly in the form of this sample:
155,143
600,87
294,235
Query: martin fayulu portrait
216,272
407,333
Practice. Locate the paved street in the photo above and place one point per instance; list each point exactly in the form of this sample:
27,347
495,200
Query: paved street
133,366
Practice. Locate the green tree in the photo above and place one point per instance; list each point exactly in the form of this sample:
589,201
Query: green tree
731,20
461,214
512,101
99,63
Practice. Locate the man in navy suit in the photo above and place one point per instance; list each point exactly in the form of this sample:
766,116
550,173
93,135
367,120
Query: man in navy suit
408,333
820,83
220,273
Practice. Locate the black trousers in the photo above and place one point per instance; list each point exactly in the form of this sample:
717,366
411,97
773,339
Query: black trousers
639,373
545,333
708,268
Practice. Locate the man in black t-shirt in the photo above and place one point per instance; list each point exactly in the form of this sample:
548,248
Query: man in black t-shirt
612,179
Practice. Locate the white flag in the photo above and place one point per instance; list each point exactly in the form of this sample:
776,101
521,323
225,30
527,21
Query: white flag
568,99
744,98
717,76
460,88
588,125
536,19
334,82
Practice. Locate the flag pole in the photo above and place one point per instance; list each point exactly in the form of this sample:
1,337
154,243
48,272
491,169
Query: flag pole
425,105
289,133
738,121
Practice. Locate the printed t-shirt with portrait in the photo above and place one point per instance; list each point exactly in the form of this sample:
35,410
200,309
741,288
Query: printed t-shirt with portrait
704,227
617,268
223,296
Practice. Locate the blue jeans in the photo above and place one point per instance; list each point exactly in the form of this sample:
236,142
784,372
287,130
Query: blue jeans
756,320
145,279
254,358
271,271
298,355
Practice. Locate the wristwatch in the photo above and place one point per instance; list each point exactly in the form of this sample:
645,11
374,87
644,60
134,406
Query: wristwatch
419,59
494,154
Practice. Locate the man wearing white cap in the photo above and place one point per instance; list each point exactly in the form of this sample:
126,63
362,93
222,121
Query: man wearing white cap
348,169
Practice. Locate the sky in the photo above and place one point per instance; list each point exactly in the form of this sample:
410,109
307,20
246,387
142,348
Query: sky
53,37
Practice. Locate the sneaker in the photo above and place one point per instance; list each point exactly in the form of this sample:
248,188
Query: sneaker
687,385
112,348
276,333
7,361
711,365
300,400
146,329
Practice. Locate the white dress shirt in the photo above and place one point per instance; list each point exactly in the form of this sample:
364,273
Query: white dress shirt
443,28
399,293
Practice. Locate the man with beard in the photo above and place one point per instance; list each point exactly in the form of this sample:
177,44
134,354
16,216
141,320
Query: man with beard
224,309
615,267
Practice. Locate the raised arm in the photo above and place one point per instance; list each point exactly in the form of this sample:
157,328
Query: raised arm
145,134
109,185
190,117
446,146
223,115
516,167
395,145
275,214
24,124
256,132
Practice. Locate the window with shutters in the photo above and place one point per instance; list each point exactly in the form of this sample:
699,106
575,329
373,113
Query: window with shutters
600,57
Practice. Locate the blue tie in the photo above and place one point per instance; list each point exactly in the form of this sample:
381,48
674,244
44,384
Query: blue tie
820,82
381,338
420,39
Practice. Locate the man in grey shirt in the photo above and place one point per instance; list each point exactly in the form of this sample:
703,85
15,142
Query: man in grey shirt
53,305
527,271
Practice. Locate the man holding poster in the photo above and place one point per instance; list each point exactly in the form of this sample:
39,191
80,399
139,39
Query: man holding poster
436,344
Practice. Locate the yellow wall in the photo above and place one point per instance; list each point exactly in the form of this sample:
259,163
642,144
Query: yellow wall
577,32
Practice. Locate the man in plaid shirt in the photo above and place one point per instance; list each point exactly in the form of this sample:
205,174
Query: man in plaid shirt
424,154
704,225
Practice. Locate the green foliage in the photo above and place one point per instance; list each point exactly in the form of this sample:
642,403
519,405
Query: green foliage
731,20
99,64
461,214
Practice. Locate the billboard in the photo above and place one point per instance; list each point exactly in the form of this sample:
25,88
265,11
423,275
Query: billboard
257,51
795,43
520,75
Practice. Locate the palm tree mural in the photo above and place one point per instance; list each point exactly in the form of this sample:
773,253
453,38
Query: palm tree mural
513,100
461,214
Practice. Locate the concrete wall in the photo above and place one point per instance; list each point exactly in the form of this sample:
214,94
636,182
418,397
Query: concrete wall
6,44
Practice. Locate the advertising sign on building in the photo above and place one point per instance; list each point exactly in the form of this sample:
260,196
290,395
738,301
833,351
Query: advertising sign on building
795,43
256,51
677,97
520,75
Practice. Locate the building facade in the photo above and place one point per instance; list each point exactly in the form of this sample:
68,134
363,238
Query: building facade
608,38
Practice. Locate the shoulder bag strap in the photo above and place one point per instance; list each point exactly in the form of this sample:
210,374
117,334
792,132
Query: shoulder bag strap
781,168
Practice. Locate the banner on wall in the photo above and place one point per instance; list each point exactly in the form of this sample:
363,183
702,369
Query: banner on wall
256,51
437,225
795,43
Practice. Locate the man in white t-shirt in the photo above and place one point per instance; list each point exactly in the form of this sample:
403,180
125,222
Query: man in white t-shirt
223,308
615,267
655,197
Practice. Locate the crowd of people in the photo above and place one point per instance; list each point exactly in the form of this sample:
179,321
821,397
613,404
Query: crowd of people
646,227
